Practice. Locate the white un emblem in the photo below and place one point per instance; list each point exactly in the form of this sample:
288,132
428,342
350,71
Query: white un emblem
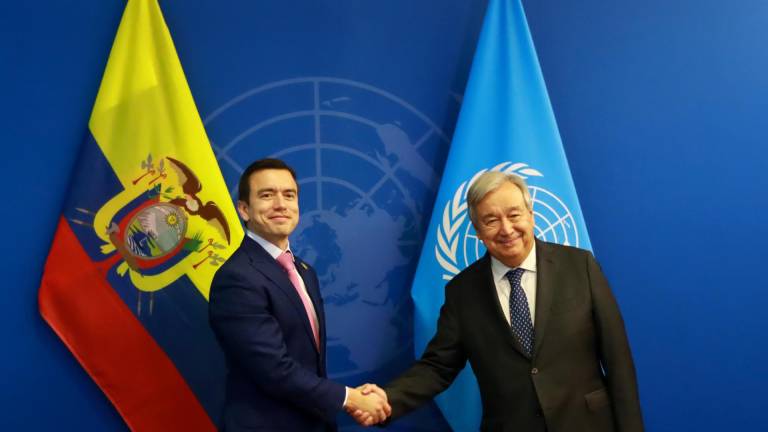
457,244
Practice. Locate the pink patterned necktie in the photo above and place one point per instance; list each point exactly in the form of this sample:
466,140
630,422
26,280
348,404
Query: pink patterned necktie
286,261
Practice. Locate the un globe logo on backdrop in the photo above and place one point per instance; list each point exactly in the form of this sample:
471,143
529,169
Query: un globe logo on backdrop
363,161
457,243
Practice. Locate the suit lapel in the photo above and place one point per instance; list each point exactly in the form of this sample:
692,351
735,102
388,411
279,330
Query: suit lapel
269,267
308,277
492,299
309,281
546,269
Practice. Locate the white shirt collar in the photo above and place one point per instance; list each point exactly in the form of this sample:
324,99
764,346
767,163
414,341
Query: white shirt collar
500,269
268,246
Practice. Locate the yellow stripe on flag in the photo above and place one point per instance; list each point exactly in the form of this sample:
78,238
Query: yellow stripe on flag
144,107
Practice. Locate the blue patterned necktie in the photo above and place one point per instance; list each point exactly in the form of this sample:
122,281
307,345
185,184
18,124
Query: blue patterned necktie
519,313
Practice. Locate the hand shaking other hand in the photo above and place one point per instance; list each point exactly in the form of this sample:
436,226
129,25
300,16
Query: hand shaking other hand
368,405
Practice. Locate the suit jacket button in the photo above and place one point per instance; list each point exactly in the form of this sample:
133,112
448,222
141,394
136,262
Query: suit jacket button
534,371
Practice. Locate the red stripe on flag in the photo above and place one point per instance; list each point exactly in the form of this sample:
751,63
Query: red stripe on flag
111,344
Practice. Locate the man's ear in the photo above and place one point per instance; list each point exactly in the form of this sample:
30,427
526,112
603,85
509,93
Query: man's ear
242,209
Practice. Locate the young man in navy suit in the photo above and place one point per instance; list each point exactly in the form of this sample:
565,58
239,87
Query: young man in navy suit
267,313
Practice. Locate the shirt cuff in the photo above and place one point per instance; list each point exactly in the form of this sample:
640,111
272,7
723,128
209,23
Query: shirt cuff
346,395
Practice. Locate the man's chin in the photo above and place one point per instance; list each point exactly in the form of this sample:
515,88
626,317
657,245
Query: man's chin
282,231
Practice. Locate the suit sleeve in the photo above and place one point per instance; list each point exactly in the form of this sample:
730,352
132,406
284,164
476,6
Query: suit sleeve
615,355
443,359
251,336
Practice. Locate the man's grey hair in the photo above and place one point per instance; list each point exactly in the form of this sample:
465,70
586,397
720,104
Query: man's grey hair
488,182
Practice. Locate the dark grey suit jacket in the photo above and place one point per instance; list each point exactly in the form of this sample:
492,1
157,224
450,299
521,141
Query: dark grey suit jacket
581,376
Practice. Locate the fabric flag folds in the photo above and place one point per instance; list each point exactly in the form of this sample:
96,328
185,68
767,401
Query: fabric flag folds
506,123
147,220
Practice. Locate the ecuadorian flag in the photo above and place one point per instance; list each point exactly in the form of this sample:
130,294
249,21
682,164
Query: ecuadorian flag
147,222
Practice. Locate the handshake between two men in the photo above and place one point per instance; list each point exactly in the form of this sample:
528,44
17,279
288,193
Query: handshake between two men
570,369
368,405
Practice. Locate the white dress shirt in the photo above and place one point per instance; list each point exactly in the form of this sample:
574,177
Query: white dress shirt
528,282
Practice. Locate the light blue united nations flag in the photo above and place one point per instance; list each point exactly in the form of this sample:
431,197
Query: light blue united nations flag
506,123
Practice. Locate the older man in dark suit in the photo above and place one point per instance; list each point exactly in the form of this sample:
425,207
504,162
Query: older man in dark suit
537,322
267,313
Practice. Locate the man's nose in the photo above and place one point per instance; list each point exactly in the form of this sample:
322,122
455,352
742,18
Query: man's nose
278,202
507,227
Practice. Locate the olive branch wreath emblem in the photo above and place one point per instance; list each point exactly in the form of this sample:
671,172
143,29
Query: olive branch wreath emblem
455,213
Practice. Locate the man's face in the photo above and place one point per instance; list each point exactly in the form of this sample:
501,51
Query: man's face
272,210
505,225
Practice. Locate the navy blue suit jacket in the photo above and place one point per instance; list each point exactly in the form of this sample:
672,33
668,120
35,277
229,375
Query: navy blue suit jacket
276,377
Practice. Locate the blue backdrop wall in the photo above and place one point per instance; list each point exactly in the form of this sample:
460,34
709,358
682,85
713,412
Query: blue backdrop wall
662,110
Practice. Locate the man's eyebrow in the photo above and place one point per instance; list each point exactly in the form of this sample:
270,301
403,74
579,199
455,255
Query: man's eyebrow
274,189
504,211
